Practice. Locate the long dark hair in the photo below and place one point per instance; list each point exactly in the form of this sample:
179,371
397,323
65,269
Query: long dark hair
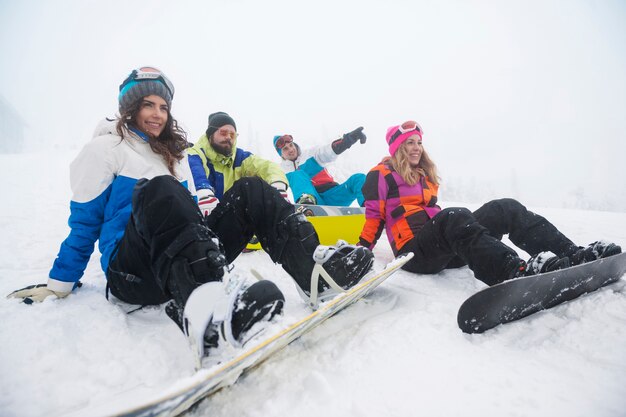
170,144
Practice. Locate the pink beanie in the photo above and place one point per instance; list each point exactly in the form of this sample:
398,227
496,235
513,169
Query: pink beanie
396,135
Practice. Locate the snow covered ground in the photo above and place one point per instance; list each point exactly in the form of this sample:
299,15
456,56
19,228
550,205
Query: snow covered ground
399,353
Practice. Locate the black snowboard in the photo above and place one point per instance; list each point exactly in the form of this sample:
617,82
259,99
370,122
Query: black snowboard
521,297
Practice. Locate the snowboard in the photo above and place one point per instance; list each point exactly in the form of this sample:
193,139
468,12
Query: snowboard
208,381
330,222
521,297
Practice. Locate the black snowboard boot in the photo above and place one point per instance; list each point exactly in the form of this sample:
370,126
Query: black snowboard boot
345,263
545,262
218,312
337,269
209,306
538,264
594,251
302,256
261,301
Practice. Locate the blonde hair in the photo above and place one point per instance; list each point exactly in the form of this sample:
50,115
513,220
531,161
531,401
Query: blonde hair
411,175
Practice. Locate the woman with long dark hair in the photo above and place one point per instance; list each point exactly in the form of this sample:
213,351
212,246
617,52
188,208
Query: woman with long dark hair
401,197
130,187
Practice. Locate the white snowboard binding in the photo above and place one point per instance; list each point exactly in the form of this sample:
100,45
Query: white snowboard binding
339,267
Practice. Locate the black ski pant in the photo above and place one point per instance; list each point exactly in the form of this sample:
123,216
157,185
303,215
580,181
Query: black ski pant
165,219
456,237
252,207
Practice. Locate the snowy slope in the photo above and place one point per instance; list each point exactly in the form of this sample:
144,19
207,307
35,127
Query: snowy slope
399,353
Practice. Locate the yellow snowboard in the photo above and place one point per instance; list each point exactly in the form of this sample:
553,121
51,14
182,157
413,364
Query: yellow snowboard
330,222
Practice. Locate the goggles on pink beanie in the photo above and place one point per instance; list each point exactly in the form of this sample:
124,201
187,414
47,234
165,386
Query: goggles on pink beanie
396,135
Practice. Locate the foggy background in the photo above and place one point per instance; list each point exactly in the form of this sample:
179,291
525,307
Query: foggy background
517,98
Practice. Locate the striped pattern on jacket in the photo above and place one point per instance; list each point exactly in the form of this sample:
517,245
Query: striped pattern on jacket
399,208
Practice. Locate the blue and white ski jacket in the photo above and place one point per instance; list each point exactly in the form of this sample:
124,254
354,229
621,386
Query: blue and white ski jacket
102,179
311,161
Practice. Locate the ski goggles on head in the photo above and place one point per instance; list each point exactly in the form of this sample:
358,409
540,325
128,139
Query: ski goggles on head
410,126
225,132
396,135
148,73
403,129
283,140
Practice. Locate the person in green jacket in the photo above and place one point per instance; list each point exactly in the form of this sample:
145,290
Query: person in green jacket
216,163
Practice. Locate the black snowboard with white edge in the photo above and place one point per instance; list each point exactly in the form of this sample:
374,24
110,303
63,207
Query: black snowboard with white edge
521,297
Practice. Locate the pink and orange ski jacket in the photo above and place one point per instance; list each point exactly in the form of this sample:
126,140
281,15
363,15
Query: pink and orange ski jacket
400,208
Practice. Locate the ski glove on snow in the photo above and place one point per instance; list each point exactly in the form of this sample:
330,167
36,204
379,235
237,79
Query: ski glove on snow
36,293
349,139
207,201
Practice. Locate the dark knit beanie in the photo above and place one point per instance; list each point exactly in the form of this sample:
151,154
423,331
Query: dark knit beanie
217,120
133,90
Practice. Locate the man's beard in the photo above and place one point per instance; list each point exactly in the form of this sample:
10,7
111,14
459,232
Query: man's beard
225,150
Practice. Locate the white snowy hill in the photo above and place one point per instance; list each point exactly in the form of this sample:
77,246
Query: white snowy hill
398,353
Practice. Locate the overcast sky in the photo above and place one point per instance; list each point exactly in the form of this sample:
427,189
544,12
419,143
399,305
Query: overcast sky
522,98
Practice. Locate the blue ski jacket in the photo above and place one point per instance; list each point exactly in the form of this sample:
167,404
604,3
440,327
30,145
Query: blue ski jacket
102,179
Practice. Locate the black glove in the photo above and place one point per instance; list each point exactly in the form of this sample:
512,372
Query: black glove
348,140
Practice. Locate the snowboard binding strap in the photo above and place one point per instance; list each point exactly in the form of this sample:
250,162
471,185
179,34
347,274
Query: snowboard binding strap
314,298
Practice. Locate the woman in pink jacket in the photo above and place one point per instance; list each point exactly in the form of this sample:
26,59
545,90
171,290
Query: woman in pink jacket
401,197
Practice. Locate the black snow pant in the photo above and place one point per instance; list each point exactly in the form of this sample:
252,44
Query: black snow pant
456,237
165,219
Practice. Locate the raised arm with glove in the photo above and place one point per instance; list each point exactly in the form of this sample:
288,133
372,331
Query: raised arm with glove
349,139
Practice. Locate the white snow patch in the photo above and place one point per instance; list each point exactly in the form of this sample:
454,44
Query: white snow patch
398,353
